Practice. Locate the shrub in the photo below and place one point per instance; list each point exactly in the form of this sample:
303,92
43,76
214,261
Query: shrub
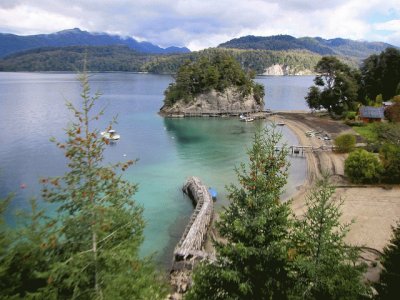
362,167
345,143
390,158
351,115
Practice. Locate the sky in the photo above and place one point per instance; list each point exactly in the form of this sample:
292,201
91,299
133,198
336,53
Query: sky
199,24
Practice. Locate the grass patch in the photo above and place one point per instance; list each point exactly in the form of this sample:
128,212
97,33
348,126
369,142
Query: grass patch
368,132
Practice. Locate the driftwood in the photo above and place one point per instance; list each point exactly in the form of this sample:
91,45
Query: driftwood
188,252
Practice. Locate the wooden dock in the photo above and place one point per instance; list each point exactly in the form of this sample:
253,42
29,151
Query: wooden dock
192,239
301,150
189,250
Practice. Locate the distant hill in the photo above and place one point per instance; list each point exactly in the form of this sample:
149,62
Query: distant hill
122,58
341,47
11,43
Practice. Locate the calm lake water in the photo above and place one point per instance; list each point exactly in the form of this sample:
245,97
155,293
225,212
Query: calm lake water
33,110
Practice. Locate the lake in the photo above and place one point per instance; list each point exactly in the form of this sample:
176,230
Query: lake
169,150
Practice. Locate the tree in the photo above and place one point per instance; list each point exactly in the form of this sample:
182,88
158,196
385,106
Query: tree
388,287
252,258
25,254
392,113
324,266
380,74
89,248
345,143
335,87
390,158
362,167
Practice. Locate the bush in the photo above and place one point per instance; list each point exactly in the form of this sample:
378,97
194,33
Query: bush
345,143
390,157
351,115
362,167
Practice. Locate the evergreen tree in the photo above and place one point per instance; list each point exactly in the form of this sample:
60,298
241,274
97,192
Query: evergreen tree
100,225
324,267
25,253
252,256
89,248
388,287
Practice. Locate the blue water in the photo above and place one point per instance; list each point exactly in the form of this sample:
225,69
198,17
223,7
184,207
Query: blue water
169,150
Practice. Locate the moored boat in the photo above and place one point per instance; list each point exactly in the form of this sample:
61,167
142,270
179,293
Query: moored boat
111,135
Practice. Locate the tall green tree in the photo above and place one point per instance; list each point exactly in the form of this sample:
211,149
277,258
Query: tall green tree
252,258
380,74
388,286
88,248
100,225
335,87
324,267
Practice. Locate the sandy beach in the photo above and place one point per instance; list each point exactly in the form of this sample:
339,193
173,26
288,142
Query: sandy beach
374,209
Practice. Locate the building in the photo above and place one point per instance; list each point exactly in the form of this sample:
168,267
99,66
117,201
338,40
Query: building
369,114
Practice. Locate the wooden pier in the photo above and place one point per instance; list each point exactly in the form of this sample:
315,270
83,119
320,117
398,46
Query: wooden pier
192,239
189,250
301,150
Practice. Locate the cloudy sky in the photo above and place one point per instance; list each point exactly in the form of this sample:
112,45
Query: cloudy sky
200,24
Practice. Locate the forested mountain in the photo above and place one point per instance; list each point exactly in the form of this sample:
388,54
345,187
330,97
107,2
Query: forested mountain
121,58
11,43
338,46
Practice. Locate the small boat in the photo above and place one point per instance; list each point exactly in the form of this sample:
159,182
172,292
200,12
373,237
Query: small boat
280,124
111,135
247,119
213,193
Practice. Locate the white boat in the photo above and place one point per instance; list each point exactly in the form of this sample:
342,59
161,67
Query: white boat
111,135
247,119
280,124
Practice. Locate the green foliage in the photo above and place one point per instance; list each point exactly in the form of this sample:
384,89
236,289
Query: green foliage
89,248
388,132
345,143
381,74
388,287
362,167
252,261
351,115
335,87
367,131
390,157
324,266
392,113
211,72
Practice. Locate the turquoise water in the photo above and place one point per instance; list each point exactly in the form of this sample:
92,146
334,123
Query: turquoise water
169,150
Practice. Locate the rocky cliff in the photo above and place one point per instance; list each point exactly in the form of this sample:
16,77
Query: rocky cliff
279,70
228,101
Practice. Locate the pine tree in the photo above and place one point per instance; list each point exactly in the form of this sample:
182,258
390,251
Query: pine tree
324,266
98,226
389,284
252,256
89,249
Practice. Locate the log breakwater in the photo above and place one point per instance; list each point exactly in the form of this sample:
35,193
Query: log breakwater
189,250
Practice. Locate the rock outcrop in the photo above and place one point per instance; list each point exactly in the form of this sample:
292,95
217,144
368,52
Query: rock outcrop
281,70
213,102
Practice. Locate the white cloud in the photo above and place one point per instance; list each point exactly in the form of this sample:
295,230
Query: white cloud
205,23
392,25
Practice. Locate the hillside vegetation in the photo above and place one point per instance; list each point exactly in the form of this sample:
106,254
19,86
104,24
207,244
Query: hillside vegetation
211,72
121,58
341,47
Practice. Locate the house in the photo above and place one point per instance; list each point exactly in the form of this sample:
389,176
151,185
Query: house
369,114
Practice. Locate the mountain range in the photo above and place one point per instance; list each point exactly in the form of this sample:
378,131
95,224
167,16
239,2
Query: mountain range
338,46
11,43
